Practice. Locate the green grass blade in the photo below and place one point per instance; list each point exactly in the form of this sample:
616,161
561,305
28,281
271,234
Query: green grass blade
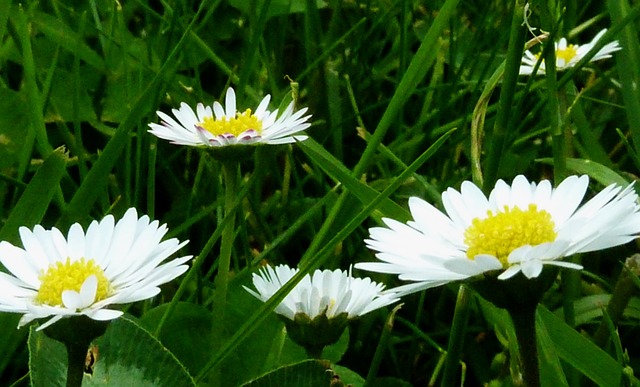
35,199
580,352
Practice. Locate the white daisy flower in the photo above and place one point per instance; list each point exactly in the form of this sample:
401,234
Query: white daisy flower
327,292
217,126
569,55
519,228
82,274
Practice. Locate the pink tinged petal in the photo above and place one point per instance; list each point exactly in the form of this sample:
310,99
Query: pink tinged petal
230,103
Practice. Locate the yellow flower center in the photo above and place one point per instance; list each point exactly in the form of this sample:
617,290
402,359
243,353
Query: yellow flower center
235,126
69,275
567,54
499,234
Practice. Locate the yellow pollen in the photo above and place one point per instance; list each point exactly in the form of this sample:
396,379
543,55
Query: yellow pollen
235,126
501,233
567,54
68,275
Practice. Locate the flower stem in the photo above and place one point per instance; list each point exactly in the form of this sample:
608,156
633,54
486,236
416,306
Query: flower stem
456,337
524,322
76,355
230,174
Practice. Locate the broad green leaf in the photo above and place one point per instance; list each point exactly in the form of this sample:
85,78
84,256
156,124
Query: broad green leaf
188,345
127,355
347,376
580,352
309,373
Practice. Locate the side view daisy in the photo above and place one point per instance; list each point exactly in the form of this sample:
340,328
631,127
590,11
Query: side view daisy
317,310
325,292
219,126
81,275
568,55
518,229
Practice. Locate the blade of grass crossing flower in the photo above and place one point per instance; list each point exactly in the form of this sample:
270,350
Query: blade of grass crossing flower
628,70
307,265
93,184
420,64
195,268
336,170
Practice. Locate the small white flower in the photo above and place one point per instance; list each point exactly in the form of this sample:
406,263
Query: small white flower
82,274
569,55
519,228
325,292
217,126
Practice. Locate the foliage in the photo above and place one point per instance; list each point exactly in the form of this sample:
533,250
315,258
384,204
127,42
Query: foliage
407,99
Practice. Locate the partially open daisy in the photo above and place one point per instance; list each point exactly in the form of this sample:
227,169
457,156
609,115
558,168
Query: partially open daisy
325,292
221,126
317,310
518,229
82,274
568,55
